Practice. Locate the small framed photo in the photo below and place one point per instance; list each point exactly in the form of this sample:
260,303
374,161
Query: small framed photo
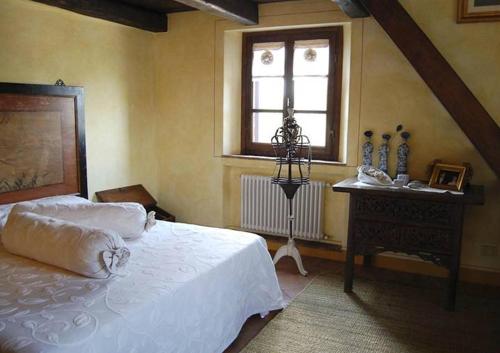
448,176
478,10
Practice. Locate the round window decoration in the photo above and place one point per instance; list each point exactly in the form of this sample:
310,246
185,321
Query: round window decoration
310,55
267,58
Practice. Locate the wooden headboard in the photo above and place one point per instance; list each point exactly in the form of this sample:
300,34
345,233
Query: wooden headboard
42,142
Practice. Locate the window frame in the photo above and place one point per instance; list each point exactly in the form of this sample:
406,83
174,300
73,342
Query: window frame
334,91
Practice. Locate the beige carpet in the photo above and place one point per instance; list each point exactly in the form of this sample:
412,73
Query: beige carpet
379,317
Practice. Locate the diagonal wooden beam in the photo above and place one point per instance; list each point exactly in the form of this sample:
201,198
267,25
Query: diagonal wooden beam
243,11
352,8
114,11
438,74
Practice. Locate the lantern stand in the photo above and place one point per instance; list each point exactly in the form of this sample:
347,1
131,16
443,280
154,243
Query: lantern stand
293,166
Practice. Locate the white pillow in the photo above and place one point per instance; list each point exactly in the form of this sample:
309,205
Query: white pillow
68,199
4,213
128,219
89,251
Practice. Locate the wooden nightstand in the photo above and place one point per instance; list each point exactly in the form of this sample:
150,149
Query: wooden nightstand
135,193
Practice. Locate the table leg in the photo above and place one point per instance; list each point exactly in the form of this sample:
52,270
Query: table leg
349,260
451,292
349,270
367,260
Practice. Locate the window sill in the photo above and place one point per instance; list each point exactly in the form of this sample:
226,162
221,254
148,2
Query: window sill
272,159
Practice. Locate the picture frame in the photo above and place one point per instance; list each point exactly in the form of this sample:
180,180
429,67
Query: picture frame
478,11
42,141
448,177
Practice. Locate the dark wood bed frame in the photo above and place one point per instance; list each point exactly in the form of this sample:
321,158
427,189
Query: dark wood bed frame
78,186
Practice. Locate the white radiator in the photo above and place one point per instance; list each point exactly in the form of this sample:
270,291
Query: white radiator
264,208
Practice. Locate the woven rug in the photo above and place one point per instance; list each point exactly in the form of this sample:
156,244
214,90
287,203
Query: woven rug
379,318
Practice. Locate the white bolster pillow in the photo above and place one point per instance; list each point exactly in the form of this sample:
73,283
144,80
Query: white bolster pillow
5,209
128,219
88,251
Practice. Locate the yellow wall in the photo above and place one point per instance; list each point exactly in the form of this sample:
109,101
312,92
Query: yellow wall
114,63
190,178
200,185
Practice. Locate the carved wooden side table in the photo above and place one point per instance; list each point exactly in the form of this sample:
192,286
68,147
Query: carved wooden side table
420,223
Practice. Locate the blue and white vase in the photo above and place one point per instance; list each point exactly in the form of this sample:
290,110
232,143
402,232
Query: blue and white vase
368,149
403,152
383,154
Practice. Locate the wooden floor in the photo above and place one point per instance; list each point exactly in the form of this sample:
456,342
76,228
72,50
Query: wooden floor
292,283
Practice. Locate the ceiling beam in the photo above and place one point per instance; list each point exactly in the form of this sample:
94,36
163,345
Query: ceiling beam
243,11
114,11
437,73
352,8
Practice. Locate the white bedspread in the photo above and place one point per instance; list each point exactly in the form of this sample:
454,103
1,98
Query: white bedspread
188,289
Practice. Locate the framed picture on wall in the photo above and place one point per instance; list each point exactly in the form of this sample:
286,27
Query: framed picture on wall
448,177
478,10
42,141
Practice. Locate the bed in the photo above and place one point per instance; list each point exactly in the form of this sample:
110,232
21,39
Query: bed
186,289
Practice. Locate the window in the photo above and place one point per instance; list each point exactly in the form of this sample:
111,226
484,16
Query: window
300,67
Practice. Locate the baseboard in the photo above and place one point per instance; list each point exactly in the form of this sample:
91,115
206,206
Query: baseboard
391,263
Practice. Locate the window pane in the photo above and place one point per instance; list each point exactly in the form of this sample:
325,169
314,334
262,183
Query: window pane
268,59
314,127
311,57
265,126
268,92
310,93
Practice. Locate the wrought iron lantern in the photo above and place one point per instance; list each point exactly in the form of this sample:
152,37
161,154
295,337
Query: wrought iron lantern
293,167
